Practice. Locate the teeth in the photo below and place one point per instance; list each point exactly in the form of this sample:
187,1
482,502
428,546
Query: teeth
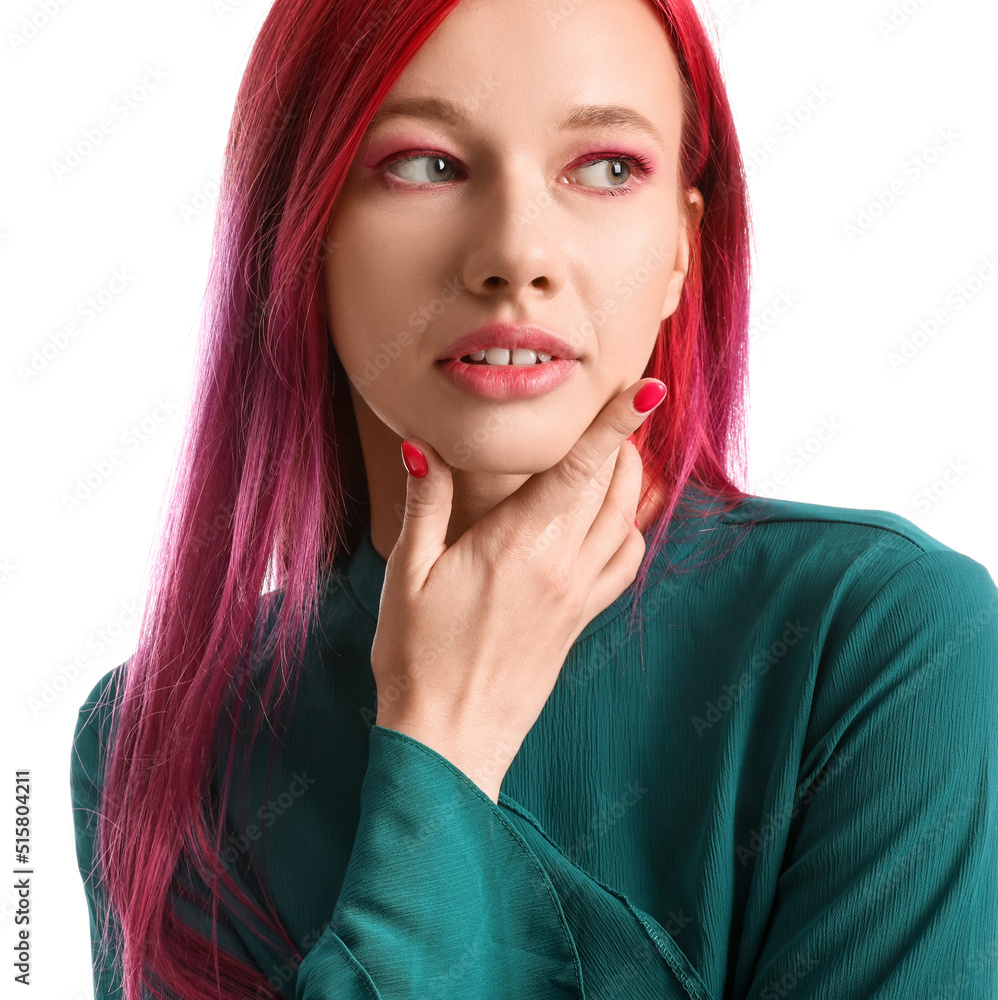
501,356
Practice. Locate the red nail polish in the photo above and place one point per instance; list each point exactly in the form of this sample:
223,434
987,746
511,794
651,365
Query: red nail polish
414,460
649,396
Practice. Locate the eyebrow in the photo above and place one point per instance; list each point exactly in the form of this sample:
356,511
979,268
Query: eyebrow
580,116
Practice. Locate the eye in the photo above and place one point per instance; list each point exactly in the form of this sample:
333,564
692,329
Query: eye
428,166
427,169
616,164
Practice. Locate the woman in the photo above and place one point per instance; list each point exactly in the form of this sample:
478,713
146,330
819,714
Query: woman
437,758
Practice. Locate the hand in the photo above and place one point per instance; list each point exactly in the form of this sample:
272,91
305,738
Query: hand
472,637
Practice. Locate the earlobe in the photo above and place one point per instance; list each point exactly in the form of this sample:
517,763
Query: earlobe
678,276
672,293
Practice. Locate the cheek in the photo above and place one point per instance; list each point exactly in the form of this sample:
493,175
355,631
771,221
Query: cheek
642,269
361,303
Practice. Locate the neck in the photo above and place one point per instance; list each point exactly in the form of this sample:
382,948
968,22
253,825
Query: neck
475,493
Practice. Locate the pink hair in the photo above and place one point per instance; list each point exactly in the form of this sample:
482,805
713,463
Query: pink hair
271,485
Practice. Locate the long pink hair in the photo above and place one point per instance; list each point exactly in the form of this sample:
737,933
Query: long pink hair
271,486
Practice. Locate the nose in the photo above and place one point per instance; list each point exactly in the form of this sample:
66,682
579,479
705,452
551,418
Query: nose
513,235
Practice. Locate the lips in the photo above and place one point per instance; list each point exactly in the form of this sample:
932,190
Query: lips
509,336
506,382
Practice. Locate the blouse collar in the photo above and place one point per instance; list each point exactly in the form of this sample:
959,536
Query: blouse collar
367,573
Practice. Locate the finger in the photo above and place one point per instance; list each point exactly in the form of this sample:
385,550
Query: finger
570,526
615,519
617,575
547,494
578,517
428,503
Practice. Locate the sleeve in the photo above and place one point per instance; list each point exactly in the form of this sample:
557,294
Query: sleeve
86,782
450,895
889,882
446,895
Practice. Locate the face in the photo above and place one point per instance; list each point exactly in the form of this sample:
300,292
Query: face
503,214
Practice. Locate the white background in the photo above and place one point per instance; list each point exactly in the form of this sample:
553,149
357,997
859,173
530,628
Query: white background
142,204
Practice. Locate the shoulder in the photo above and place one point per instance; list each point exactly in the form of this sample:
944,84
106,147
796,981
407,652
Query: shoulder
902,629
880,590
860,576
874,544
93,731
94,717
86,772
827,524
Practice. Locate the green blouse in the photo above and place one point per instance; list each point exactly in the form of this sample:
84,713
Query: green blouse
793,792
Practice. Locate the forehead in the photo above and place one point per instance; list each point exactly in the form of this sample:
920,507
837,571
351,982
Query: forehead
526,63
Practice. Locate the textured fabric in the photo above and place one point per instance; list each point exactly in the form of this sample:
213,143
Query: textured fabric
793,793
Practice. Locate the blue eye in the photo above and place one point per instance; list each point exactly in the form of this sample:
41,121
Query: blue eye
634,166
433,170
424,170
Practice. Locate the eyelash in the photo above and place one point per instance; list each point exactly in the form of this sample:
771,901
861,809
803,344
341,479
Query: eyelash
639,164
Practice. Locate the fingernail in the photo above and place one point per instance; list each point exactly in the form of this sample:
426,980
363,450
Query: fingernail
649,396
414,460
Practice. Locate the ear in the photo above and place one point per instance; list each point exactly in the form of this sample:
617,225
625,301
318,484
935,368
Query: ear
689,223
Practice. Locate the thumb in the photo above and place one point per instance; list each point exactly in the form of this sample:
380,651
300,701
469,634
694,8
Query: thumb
428,499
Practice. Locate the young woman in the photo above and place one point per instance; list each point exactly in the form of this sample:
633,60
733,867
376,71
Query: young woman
409,730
